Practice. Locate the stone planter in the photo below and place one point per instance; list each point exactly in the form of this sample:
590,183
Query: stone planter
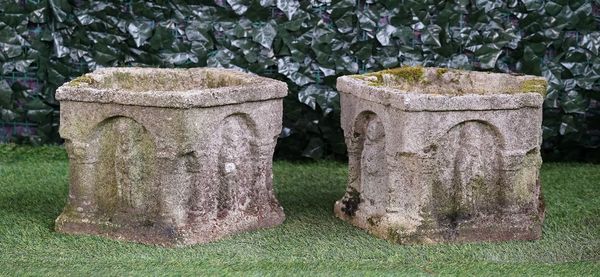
170,156
443,155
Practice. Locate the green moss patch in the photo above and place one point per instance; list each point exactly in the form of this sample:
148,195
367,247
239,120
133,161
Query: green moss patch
144,82
168,80
534,85
453,82
84,80
410,74
399,234
441,71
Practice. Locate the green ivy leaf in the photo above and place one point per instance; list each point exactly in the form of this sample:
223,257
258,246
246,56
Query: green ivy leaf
290,69
140,31
314,149
574,102
385,33
60,9
289,7
265,35
319,95
5,95
237,6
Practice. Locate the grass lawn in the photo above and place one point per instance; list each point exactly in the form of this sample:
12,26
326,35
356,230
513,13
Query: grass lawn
33,191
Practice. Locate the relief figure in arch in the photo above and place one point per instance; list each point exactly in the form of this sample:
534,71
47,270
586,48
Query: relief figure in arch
374,167
236,167
469,165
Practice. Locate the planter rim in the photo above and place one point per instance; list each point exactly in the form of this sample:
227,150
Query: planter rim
414,100
247,87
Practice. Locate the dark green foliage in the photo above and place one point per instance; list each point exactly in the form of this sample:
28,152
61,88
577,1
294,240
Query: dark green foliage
44,43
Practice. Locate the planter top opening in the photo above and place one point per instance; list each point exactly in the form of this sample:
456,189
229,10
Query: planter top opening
177,88
441,89
452,82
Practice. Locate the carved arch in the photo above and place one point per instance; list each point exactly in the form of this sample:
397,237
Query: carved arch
227,178
370,175
468,175
499,137
123,178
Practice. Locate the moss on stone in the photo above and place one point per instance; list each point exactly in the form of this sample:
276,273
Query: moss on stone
428,221
376,84
479,187
222,79
125,79
396,234
525,178
440,72
169,80
534,85
410,74
84,80
454,82
140,82
400,235
448,210
70,212
374,220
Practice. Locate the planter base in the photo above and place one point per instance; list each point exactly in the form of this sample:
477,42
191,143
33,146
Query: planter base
486,228
165,235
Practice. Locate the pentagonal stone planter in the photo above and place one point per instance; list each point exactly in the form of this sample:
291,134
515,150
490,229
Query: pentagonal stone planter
170,156
443,155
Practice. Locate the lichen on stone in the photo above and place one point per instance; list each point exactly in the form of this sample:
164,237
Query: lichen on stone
402,77
534,85
441,71
410,74
374,220
173,80
142,82
401,235
452,82
396,234
84,80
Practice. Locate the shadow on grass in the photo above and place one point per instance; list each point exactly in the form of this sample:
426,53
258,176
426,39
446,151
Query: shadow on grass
39,207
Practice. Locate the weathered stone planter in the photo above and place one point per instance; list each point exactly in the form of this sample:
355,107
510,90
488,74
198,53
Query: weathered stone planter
170,156
443,155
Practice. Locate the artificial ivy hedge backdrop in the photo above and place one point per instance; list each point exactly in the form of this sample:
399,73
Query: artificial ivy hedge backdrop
308,44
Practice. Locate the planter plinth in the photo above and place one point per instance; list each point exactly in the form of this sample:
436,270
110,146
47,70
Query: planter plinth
441,155
170,156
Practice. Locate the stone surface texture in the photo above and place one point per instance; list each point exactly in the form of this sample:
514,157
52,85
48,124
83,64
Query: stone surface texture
170,156
443,156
